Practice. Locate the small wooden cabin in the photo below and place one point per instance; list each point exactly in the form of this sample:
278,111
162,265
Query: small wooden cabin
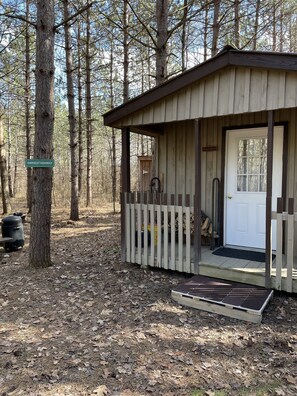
226,154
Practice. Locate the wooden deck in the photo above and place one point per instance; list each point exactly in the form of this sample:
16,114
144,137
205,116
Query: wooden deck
237,270
159,233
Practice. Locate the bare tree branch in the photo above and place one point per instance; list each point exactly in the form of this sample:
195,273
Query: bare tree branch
80,11
19,17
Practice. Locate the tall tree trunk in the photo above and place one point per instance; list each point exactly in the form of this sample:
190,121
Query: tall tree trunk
236,23
126,53
256,26
113,136
149,67
184,36
162,35
9,171
80,110
39,249
3,171
274,26
114,169
15,174
215,27
74,212
89,113
281,22
27,106
205,32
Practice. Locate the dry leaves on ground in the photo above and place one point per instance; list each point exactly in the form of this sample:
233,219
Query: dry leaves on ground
91,325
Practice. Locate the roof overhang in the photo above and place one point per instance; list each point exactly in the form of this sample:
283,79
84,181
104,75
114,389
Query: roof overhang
227,57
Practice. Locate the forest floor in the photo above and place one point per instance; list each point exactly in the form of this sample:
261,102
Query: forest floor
91,325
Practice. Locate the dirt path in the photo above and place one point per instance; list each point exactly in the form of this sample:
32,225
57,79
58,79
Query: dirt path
90,325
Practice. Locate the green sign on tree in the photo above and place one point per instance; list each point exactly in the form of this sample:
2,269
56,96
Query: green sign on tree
39,163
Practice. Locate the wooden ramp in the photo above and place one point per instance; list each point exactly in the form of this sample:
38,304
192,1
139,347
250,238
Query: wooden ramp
236,300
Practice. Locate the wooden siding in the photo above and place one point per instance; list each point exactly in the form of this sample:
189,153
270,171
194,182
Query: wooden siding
233,90
176,153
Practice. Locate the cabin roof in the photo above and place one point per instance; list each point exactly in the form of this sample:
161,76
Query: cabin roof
229,56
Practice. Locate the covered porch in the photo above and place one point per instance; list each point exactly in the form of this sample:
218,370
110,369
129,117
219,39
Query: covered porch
159,232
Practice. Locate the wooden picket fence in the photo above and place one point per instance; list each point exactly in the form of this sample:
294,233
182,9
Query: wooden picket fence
159,233
285,236
158,230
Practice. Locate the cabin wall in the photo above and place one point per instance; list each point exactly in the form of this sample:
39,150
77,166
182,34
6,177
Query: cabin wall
176,153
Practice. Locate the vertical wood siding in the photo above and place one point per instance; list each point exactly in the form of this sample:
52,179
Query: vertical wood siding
233,90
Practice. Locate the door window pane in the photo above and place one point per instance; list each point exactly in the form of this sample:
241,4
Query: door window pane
251,165
253,183
241,183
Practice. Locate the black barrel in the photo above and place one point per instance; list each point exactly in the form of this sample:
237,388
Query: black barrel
12,227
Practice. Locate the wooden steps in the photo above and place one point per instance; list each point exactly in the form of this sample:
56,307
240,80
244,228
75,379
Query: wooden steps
232,299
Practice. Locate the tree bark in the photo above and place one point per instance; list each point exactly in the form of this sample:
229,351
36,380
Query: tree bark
74,211
3,171
113,135
9,170
281,22
80,110
236,23
216,27
184,39
256,26
205,33
27,106
126,53
162,35
39,249
274,22
89,113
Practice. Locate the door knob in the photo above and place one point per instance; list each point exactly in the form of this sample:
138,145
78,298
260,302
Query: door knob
229,196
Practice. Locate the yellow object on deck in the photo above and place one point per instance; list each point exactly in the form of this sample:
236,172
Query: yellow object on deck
155,233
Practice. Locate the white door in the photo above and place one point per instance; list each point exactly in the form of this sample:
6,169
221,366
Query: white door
245,187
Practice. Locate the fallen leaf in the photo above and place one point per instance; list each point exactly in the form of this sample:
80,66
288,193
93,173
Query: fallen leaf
291,380
102,390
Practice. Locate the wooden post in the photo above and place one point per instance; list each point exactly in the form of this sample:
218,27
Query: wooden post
197,197
268,251
126,184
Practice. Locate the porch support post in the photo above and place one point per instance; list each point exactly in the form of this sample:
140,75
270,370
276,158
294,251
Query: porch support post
268,247
197,198
126,185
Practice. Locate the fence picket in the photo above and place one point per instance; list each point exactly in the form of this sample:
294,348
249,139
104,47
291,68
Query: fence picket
128,227
180,238
290,245
139,236
279,244
152,231
145,230
188,240
165,214
133,228
159,232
